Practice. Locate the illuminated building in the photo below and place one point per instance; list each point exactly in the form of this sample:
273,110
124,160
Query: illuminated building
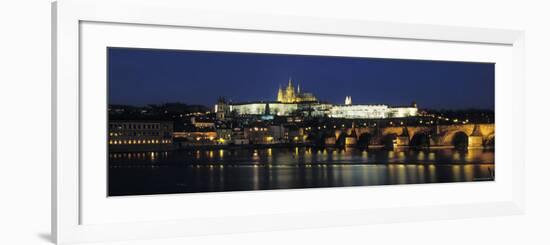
264,108
347,100
294,102
266,134
202,123
221,108
140,135
359,111
291,95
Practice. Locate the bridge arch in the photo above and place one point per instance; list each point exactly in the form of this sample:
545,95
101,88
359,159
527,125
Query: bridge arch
317,138
459,140
364,139
420,140
388,140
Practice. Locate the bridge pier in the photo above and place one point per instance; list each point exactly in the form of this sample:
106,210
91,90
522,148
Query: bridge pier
330,141
475,139
401,142
475,142
350,140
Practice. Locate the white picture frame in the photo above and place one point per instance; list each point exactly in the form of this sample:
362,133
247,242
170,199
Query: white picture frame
67,171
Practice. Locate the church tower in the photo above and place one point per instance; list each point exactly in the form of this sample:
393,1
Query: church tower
221,108
289,92
280,95
347,100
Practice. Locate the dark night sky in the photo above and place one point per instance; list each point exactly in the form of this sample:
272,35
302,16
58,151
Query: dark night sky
148,76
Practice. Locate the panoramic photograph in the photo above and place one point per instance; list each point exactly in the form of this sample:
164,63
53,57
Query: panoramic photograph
183,121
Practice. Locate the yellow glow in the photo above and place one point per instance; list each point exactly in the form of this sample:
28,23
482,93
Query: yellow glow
421,155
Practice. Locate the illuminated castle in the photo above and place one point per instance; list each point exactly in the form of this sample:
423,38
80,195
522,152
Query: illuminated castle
291,95
292,102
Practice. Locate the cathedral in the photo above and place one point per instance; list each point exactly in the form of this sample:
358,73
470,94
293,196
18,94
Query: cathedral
291,95
292,101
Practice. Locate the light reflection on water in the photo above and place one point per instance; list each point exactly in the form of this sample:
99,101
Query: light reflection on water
282,168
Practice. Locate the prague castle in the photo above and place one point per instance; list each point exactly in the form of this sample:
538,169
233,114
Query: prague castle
293,101
289,95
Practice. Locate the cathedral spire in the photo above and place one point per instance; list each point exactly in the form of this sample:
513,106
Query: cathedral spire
280,95
347,100
298,90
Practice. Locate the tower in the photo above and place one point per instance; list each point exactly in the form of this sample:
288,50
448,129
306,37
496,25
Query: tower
220,108
347,100
289,92
280,95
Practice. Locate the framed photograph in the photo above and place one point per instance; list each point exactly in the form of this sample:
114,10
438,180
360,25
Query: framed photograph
173,122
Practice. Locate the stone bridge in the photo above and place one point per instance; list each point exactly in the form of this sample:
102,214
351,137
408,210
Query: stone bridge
444,136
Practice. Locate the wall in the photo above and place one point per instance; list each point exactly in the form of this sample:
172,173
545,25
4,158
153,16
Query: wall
25,100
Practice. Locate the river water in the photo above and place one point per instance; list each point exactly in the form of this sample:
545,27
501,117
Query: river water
192,171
